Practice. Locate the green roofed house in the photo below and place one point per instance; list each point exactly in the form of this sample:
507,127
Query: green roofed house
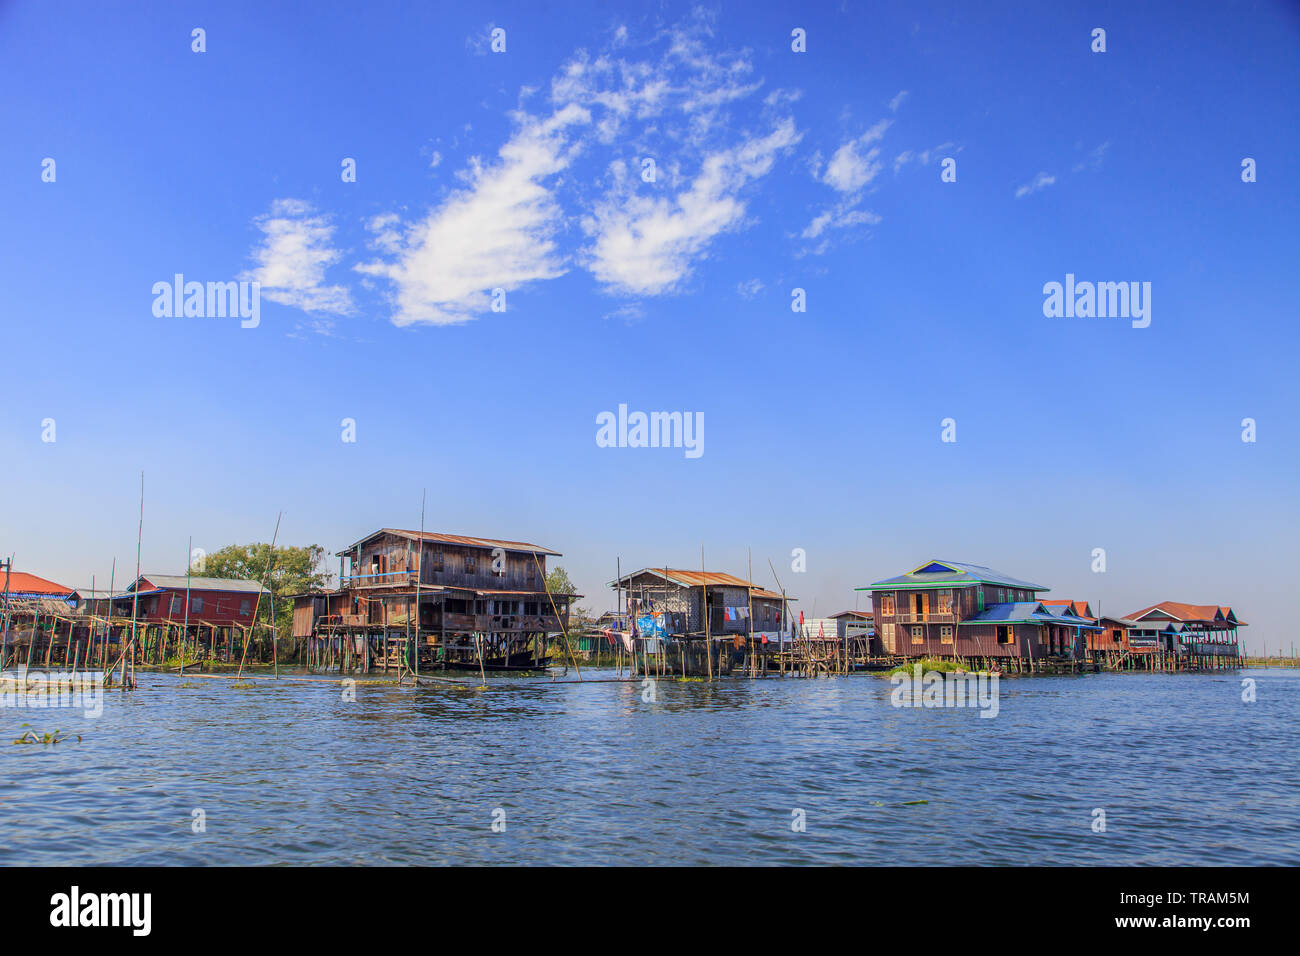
951,608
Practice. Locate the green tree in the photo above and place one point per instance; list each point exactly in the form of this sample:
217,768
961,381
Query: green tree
557,581
293,571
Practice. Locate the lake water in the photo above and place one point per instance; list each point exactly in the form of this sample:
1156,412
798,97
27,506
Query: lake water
705,774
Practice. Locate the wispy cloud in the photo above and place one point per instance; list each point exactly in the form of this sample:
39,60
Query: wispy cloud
1041,181
897,101
1094,159
293,256
496,232
857,162
853,167
643,237
925,156
749,288
646,245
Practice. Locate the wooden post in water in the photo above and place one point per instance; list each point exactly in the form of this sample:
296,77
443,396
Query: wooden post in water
704,602
4,622
270,557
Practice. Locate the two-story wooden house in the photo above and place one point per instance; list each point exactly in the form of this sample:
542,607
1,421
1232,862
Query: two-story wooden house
954,609
677,598
455,600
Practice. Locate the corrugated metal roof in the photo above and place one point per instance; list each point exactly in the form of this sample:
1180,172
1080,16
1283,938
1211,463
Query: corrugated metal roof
694,579
20,582
176,582
951,574
1026,612
469,540
1191,612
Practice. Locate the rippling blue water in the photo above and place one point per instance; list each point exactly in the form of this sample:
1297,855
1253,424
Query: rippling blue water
291,773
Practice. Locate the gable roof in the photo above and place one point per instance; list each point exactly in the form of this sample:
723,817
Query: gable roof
950,574
866,614
177,582
695,579
1027,612
20,582
461,539
1178,611
1077,608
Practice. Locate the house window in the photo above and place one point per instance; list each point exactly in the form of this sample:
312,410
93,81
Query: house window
1117,636
471,563
197,605
945,602
437,560
1006,635
178,603
918,635
245,606
887,605
945,634
887,632
1002,596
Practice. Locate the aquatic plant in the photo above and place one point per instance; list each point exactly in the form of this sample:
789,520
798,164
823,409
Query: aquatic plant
929,665
30,737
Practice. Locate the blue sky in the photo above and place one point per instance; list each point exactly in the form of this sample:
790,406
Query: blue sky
775,170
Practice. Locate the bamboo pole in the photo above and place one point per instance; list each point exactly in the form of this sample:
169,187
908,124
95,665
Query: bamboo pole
270,557
564,629
704,602
189,560
4,624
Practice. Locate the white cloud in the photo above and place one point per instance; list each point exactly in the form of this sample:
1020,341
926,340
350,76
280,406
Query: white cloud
856,163
841,216
503,228
749,288
850,170
924,157
1094,159
645,245
496,232
897,101
1041,181
293,256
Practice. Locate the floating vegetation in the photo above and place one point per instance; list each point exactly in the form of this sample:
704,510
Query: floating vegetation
928,665
31,737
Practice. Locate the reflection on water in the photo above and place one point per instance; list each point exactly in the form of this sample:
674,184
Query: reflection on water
705,773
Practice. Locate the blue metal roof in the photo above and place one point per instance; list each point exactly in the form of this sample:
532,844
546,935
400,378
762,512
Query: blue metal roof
951,574
1027,612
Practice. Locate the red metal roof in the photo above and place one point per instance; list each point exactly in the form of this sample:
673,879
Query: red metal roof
1079,608
1186,612
20,582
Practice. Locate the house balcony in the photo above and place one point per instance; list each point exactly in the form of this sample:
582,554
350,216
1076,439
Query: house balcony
387,579
926,617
